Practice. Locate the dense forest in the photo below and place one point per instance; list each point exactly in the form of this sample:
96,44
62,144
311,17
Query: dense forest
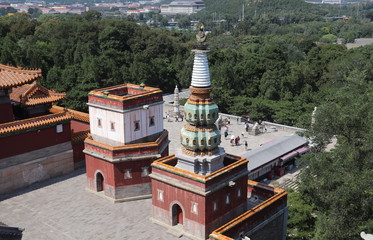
276,62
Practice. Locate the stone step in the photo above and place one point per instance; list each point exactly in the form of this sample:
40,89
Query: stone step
176,231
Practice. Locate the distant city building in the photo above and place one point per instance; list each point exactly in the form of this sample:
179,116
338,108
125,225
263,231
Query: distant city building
182,7
331,1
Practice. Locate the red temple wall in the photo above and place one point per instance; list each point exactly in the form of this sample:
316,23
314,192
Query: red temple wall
185,198
34,140
165,152
179,178
220,197
136,170
6,111
93,164
78,126
78,152
229,173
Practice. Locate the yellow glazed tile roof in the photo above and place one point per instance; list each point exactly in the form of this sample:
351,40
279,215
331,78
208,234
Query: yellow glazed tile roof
162,164
34,94
33,123
76,115
106,92
16,76
79,136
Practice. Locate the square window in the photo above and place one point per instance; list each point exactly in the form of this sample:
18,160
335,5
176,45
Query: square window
194,209
160,195
99,122
144,171
112,126
127,173
137,125
151,121
59,128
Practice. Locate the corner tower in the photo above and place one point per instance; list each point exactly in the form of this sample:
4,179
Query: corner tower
127,135
201,187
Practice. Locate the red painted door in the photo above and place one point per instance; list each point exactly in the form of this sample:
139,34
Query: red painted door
179,215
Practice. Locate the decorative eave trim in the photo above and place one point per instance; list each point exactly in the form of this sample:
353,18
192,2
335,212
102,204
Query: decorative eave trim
161,164
76,115
194,188
121,109
122,158
147,91
79,137
31,124
89,140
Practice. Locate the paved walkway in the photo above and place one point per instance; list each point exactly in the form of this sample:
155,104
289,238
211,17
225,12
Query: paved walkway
234,129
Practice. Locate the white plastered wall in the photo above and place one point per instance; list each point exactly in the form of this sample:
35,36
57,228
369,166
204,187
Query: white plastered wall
143,116
124,124
106,117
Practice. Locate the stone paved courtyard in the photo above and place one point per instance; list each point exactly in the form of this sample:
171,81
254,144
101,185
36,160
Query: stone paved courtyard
61,208
234,129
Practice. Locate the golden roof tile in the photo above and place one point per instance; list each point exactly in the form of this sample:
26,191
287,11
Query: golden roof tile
16,76
109,92
76,115
34,94
15,126
77,137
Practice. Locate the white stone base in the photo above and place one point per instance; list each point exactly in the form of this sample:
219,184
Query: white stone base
123,193
203,165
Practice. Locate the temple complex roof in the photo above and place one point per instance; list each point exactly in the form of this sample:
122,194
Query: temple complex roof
125,96
125,92
16,76
76,115
34,94
32,123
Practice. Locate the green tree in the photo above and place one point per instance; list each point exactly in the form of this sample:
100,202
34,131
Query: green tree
339,183
301,222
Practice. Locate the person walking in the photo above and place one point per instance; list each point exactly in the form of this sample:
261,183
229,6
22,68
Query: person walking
246,145
237,140
225,135
232,140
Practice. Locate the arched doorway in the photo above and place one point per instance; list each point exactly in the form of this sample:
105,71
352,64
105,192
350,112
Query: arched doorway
99,182
177,215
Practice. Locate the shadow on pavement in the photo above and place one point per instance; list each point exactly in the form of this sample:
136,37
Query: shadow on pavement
42,184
